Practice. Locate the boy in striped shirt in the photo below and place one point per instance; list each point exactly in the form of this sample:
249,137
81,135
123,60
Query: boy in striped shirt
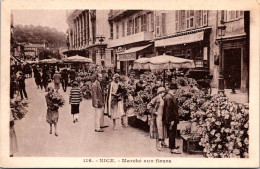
74,100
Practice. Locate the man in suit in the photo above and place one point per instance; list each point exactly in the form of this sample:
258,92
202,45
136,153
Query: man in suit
98,102
171,116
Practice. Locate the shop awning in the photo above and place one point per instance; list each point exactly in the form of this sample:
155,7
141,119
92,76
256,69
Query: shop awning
195,37
130,54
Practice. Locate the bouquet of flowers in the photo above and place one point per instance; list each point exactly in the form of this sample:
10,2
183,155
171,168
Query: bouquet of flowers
19,109
57,100
224,128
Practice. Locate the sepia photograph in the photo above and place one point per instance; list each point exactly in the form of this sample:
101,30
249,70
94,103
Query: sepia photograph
128,84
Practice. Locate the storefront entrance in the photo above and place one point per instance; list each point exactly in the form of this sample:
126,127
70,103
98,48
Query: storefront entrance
232,67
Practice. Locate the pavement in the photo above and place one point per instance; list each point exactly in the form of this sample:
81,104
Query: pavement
80,139
239,97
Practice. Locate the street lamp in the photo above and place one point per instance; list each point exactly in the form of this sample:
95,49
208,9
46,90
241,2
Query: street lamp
101,39
221,33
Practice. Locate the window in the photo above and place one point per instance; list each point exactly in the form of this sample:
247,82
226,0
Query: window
136,25
190,19
152,21
157,23
233,15
176,21
111,30
182,20
130,27
199,18
205,18
117,31
123,29
143,23
163,23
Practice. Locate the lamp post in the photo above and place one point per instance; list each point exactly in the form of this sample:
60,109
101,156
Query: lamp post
101,39
221,33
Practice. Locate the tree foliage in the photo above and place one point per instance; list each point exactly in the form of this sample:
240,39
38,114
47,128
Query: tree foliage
39,34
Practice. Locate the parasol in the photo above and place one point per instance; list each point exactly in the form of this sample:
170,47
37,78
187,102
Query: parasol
49,61
77,59
163,62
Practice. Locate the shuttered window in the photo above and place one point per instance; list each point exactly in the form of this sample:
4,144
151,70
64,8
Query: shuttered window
136,24
143,22
123,29
157,23
163,23
177,21
152,21
205,18
117,31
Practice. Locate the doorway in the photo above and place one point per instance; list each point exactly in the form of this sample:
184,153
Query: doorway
232,67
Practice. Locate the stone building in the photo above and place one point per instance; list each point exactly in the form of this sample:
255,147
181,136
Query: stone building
88,34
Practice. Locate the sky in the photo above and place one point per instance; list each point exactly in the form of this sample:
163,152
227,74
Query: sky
51,18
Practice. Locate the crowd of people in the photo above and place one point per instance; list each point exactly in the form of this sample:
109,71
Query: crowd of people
109,95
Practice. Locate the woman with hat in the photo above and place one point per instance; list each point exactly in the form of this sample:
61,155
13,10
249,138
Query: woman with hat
158,129
52,111
113,99
74,100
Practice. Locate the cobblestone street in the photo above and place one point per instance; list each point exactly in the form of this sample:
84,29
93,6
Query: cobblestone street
79,139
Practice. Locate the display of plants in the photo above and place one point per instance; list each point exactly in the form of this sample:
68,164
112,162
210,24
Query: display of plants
19,108
224,128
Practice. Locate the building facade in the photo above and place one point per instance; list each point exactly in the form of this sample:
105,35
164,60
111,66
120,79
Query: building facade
131,35
234,48
191,34
88,35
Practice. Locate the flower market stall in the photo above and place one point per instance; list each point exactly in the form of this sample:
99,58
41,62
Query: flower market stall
143,97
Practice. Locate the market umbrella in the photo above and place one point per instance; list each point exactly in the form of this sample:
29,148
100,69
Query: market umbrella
77,59
142,63
170,62
163,62
49,61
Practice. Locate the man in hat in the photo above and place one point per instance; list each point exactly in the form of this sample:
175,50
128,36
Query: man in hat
98,102
171,116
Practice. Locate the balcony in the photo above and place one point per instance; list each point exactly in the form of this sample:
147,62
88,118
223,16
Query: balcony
138,37
116,15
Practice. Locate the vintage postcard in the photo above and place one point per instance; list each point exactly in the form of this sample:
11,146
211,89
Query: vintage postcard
129,83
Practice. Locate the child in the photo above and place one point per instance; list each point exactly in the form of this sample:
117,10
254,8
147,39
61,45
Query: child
74,100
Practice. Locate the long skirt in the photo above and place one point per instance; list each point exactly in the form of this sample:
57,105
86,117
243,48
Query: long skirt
115,111
153,128
13,141
52,116
161,127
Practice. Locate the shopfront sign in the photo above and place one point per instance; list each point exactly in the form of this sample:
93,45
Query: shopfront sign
120,49
127,56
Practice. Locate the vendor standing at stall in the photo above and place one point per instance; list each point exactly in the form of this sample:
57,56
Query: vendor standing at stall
171,117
